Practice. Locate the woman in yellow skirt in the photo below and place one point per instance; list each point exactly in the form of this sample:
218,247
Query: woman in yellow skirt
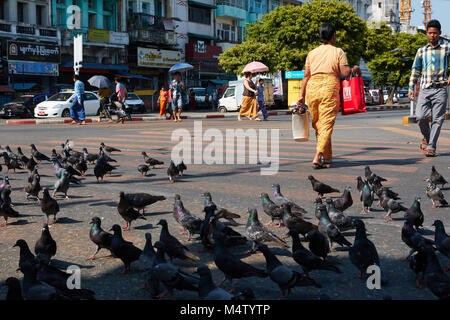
249,107
320,90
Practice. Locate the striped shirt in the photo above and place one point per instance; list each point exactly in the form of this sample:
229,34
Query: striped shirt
431,65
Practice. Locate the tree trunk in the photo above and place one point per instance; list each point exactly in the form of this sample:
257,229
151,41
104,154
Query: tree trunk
390,99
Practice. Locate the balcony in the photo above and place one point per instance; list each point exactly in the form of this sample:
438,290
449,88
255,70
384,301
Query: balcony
154,36
31,32
149,22
236,9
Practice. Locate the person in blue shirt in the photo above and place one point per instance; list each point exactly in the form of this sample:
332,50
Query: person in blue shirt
77,107
260,98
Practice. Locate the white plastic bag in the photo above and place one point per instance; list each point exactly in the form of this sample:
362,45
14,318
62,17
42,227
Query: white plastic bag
300,126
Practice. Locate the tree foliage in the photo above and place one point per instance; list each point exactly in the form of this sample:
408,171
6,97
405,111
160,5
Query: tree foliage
282,38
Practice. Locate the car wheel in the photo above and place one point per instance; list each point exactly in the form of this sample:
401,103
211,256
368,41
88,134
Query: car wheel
65,113
222,110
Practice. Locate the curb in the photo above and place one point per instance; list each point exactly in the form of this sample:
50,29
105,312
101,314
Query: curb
408,120
205,116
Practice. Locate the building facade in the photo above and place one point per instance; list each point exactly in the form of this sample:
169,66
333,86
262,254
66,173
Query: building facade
387,11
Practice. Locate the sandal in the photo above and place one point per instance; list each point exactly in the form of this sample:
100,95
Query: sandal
321,164
430,153
74,122
424,146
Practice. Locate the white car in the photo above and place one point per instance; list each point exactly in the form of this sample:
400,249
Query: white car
58,105
135,103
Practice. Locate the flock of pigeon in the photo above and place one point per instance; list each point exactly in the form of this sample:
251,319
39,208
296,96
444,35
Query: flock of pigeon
155,261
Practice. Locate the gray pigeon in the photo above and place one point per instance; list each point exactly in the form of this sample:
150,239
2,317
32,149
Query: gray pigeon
279,199
339,219
435,194
366,197
390,206
62,185
442,239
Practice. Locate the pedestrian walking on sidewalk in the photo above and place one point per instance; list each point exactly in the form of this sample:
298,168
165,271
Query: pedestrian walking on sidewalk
104,94
260,98
121,93
320,90
249,107
431,66
77,107
177,86
162,101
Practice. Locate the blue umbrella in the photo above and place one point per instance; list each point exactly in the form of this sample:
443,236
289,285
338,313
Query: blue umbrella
99,82
180,67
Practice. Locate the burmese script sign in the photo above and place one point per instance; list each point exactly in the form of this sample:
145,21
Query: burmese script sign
32,51
154,58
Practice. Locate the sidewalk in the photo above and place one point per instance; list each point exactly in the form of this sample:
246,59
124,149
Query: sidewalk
200,114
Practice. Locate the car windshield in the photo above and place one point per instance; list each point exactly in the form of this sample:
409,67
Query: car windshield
22,100
132,96
62,96
199,92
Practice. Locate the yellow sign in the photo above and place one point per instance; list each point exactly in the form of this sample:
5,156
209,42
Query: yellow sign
98,35
294,86
145,92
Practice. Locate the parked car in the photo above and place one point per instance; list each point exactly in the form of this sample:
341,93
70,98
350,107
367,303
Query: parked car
58,105
368,97
200,96
403,96
377,96
386,96
135,103
22,107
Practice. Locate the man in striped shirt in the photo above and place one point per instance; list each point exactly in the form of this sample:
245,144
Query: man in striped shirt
431,66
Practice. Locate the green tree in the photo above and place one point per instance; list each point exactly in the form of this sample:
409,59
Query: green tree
390,56
282,38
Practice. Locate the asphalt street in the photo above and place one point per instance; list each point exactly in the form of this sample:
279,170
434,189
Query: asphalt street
377,139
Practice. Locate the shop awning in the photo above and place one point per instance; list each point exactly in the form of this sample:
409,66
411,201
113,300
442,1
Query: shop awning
23,86
113,67
201,4
201,36
6,89
134,76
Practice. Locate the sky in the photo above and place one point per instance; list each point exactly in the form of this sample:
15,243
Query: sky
440,10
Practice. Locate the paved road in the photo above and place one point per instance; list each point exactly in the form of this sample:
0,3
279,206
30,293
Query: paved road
374,139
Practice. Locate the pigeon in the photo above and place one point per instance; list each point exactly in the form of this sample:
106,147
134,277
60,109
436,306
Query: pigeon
232,237
416,213
98,236
147,256
435,279
318,244
172,171
340,220
363,253
181,168
380,189
295,223
33,173
127,212
206,230
418,264
272,210
11,154
279,199
49,206
258,233
5,196
14,289
82,167
105,155
62,184
124,250
441,239
190,223
140,200
173,247
151,161
435,194
411,237
390,206
207,290
37,155
220,212
308,260
170,275
370,176
23,158
321,188
11,163
7,212
31,164
366,197
143,169
359,184
284,277
345,201
34,187
89,157
25,252
102,167
230,265
328,229
45,244
436,178
109,149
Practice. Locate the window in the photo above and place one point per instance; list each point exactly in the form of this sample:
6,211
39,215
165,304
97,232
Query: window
145,8
92,21
226,32
39,15
89,96
91,4
20,12
107,22
200,15
379,5
130,7
2,9
229,92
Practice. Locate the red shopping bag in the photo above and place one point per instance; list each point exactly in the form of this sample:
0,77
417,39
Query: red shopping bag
352,96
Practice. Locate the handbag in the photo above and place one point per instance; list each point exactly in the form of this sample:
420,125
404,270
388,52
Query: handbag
352,96
300,124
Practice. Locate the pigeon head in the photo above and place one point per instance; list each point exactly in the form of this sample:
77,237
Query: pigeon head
122,194
148,237
46,193
433,169
102,144
116,229
311,178
264,195
206,195
359,224
12,282
437,224
96,221
177,197
21,244
159,245
33,146
276,187
162,223
45,228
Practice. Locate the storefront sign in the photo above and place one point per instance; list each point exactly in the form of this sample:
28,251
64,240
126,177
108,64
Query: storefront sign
118,37
154,58
32,51
98,35
33,68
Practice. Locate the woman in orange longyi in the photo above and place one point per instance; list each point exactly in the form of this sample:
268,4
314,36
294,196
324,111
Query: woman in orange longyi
249,107
320,89
162,101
